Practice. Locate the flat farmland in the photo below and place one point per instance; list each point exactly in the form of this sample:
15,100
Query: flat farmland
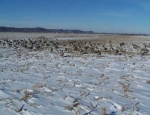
74,74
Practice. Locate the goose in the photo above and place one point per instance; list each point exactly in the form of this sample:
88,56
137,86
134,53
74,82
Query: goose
135,46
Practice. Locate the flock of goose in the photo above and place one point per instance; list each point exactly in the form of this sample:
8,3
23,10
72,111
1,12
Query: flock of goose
77,47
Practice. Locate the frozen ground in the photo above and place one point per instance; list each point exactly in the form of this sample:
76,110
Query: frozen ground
19,35
44,83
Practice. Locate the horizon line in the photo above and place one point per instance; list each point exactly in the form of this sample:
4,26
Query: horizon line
34,27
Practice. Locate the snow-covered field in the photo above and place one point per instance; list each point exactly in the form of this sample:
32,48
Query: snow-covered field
45,83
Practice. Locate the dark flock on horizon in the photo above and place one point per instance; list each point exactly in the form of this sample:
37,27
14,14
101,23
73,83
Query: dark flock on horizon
76,47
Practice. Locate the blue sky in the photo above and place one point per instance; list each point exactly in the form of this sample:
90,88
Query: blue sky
123,16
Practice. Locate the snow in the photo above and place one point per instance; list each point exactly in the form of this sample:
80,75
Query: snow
43,83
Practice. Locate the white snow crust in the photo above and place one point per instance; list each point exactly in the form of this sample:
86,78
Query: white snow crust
43,83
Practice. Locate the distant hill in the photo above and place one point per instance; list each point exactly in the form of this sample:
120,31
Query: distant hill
44,30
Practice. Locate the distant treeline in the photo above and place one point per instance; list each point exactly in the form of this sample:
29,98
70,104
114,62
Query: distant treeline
44,30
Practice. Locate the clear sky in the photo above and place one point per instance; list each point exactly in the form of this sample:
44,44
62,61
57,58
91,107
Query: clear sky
123,16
